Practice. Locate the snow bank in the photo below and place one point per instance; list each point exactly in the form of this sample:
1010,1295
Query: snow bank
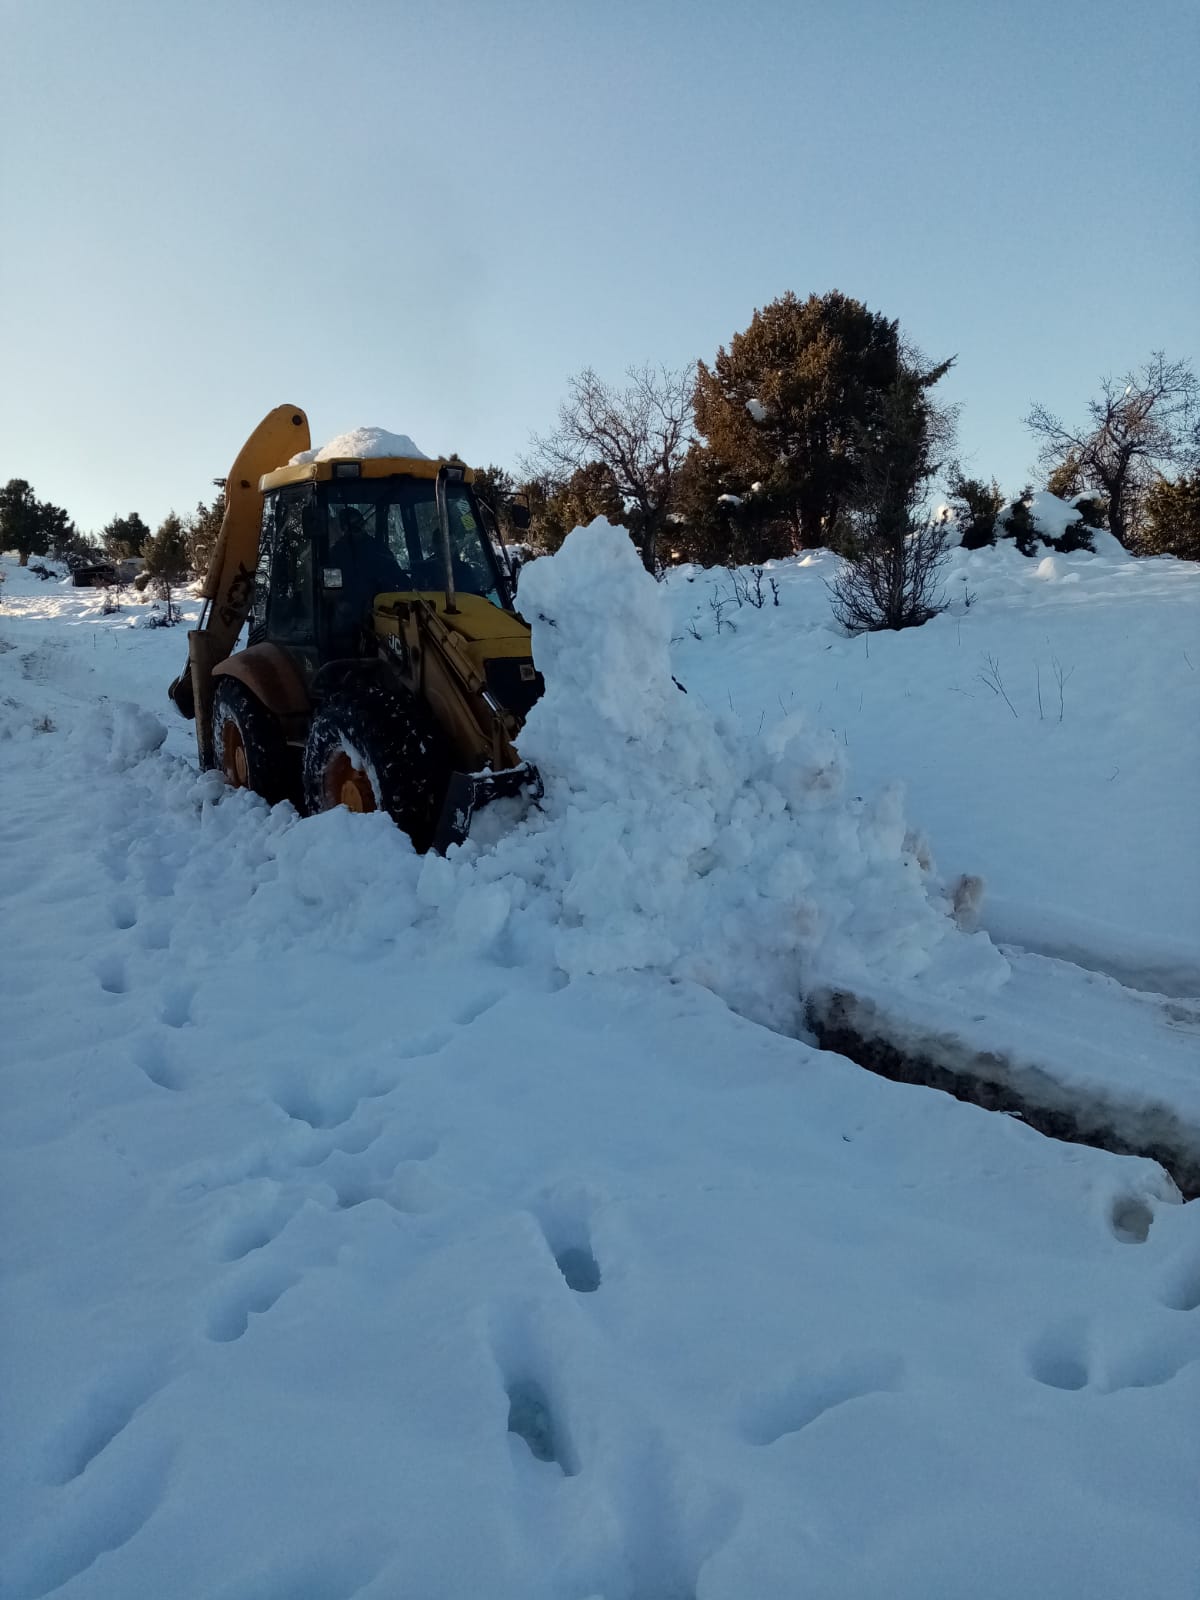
1109,755
364,442
670,841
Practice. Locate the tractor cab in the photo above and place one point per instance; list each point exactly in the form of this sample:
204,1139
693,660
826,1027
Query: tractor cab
337,535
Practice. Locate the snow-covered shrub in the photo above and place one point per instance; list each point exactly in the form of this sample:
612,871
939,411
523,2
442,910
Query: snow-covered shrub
975,505
1036,521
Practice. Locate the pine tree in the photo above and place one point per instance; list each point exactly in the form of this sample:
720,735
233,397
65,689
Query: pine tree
22,525
125,537
166,557
202,529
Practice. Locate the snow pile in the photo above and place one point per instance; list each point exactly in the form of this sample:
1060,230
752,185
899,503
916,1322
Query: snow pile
363,443
671,841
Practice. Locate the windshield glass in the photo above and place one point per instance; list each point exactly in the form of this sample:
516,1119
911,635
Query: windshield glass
385,532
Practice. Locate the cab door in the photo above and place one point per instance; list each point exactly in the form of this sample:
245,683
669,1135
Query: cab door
287,577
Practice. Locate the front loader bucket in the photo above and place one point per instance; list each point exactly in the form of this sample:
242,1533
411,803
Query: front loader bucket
469,792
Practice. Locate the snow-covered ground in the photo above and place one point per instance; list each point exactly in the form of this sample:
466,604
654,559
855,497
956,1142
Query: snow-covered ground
1078,808
377,1226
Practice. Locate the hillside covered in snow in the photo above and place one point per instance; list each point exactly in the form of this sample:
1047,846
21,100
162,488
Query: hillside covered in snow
494,1225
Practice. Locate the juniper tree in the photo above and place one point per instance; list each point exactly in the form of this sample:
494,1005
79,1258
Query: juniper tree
1172,526
976,506
793,404
891,581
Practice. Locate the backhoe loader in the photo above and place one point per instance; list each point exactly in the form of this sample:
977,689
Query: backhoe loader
384,667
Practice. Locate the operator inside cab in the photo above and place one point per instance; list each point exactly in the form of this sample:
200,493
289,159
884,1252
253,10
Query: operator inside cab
368,566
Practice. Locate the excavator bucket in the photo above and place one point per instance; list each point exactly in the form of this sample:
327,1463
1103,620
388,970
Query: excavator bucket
469,792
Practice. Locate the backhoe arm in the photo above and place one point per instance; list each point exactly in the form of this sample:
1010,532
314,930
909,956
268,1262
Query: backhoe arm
229,584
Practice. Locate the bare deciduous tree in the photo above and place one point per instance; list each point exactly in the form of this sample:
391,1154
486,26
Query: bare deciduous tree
1138,426
639,433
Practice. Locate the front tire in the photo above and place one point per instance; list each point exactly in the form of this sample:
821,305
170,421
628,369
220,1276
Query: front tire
371,751
248,745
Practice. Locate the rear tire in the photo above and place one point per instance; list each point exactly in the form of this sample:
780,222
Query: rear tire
371,751
248,745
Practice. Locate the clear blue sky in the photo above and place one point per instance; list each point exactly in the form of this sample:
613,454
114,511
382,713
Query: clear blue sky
425,216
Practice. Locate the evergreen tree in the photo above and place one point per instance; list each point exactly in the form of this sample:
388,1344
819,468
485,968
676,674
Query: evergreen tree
891,580
723,520
1173,517
167,561
496,489
125,537
23,526
201,531
62,536
791,406
557,507
976,506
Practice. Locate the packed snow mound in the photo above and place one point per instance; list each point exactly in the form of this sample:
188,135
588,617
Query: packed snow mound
669,841
364,442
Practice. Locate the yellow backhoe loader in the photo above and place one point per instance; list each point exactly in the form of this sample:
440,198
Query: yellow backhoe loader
385,667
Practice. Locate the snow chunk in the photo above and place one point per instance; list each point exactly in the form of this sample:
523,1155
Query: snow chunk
756,409
362,442
119,735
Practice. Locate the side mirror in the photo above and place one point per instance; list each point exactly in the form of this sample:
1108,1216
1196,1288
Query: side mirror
518,515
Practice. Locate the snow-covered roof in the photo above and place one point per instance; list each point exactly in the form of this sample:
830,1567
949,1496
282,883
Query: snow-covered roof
363,443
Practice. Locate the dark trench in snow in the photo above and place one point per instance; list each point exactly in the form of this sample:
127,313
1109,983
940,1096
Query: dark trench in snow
841,1023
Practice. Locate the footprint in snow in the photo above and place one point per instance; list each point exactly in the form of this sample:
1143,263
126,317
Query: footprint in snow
531,1420
254,1293
110,970
1181,1286
150,1055
1059,1358
478,1007
254,1229
1130,1219
177,1004
106,1411
811,1393
123,912
563,1214
102,1513
534,1409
